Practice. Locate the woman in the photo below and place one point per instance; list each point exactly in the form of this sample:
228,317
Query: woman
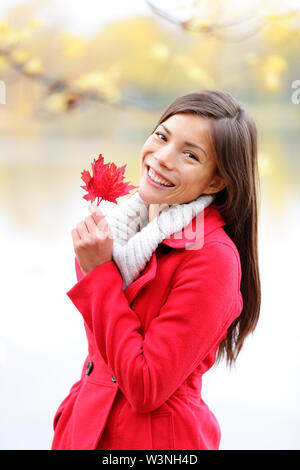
156,323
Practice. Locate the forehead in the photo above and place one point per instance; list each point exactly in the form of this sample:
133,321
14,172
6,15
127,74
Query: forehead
189,126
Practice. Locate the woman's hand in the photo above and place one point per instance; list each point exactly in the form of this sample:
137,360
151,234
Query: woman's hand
93,241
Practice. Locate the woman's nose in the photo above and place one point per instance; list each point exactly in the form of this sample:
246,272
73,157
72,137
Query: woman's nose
165,157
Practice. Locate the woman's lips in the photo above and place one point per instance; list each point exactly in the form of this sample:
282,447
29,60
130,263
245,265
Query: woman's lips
163,178
153,183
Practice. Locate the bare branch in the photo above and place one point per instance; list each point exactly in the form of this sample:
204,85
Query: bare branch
54,85
213,28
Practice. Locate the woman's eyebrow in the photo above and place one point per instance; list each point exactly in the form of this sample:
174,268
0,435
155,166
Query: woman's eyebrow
187,143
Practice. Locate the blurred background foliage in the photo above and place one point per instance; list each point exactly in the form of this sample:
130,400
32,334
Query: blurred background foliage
63,90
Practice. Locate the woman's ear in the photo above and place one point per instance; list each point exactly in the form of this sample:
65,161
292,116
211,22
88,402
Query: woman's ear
217,184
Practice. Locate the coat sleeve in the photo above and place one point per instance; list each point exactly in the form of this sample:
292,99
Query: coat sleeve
195,316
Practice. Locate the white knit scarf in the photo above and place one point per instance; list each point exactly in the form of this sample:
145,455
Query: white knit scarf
135,238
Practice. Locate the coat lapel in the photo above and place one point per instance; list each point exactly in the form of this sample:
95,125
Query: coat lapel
190,237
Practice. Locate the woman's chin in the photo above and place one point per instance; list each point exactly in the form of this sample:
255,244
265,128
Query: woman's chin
147,196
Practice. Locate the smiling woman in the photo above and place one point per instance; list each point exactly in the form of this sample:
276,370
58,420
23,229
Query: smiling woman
187,166
164,308
218,123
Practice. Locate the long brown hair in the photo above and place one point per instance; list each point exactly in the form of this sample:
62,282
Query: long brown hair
234,136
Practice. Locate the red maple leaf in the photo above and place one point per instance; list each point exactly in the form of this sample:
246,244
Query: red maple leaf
106,181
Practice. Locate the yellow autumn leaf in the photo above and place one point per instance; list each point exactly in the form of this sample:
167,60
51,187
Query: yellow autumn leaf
8,35
24,34
272,69
271,81
90,80
108,91
100,83
34,24
33,66
275,63
279,27
159,51
20,56
27,31
4,64
111,94
57,102
5,28
10,39
73,47
196,25
193,71
198,74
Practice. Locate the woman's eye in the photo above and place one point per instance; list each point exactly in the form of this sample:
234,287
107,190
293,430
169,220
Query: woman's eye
192,155
159,133
189,153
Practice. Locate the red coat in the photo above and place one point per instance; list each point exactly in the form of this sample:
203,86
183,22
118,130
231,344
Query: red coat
150,345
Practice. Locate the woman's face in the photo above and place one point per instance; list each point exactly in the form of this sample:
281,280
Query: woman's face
180,151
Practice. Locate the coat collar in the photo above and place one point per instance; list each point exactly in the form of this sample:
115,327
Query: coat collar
206,222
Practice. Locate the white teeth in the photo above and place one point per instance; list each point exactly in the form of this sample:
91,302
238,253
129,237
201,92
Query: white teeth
156,179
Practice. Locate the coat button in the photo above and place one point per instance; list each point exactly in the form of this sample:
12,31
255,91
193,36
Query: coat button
113,379
89,368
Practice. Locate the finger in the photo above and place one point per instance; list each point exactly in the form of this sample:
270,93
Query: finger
100,220
96,213
81,229
104,228
75,236
93,206
91,224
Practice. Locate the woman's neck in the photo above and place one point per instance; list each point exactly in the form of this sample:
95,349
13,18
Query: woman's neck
153,211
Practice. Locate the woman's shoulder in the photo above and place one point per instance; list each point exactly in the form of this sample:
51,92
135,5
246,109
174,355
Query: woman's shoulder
217,262
220,240
215,235
214,250
205,244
